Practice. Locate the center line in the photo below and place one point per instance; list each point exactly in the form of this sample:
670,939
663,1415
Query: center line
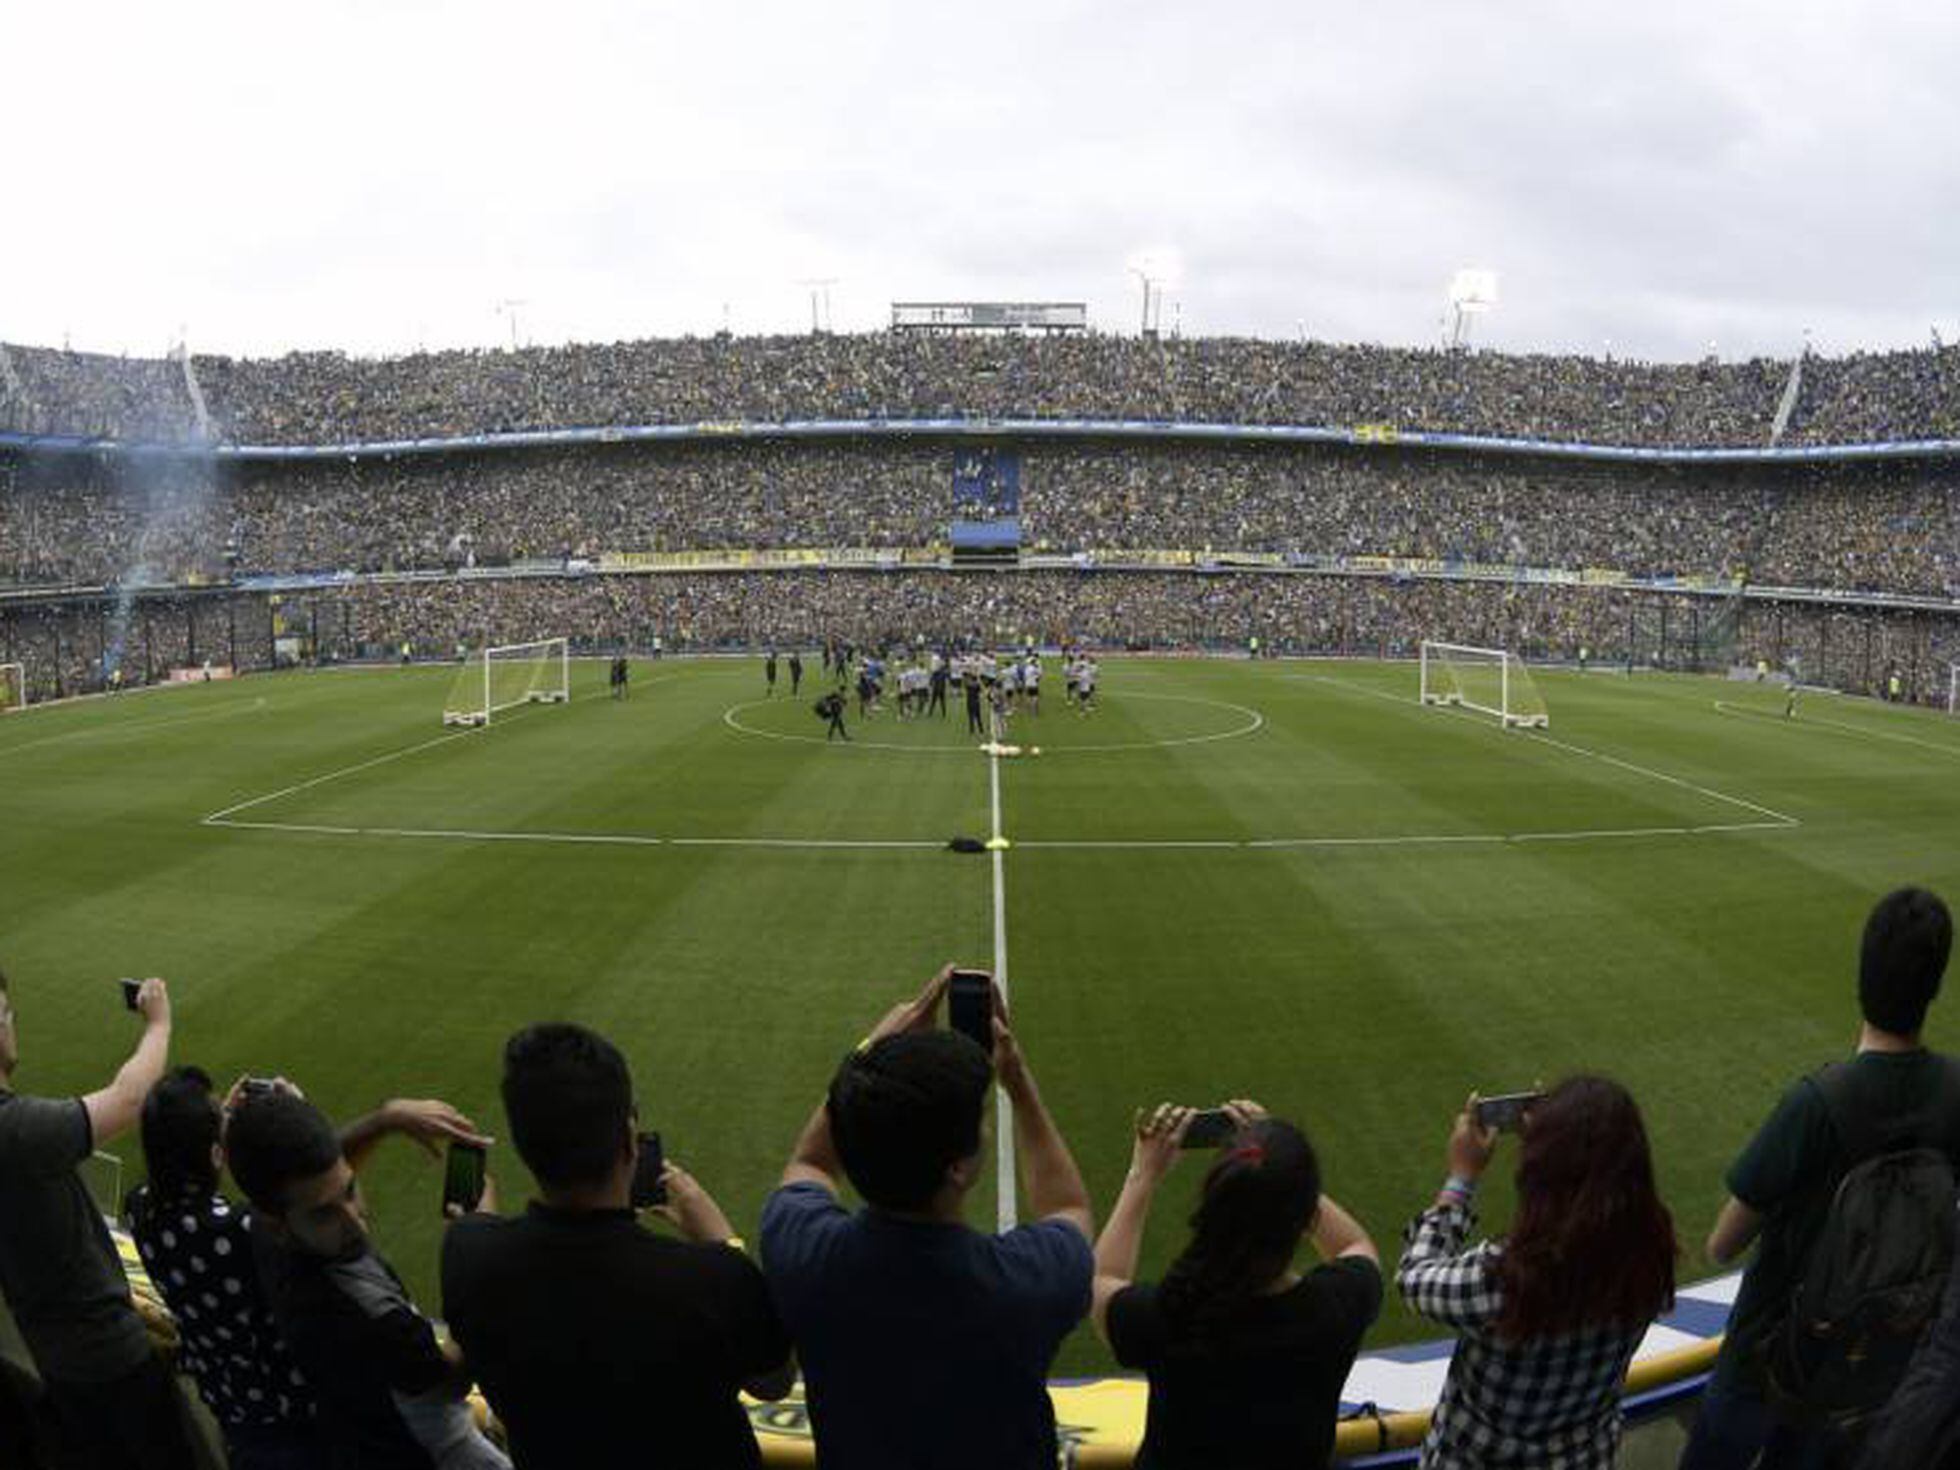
1004,1190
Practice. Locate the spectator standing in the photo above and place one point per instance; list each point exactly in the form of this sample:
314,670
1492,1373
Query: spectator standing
1892,1090
926,1344
197,1247
390,1393
1549,1316
1246,1356
597,1341
114,1400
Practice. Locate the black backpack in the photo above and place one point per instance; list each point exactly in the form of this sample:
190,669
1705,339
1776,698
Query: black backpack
1872,1283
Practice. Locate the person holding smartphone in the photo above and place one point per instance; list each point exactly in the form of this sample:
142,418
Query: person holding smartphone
1548,1316
113,1399
924,1341
599,1341
1246,1354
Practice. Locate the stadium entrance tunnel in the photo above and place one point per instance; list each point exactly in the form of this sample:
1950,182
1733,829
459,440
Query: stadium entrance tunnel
1122,719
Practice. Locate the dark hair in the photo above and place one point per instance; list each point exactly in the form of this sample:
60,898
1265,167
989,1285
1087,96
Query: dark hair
904,1109
1257,1199
1592,1245
180,1124
569,1098
273,1140
1903,955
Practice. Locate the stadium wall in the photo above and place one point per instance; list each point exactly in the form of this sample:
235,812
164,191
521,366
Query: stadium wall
1365,435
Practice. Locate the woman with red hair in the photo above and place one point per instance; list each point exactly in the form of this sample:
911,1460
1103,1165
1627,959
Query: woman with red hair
1548,1316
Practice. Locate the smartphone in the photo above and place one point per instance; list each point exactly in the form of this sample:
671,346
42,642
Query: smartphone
1505,1111
1208,1128
648,1187
462,1178
256,1087
130,989
970,1007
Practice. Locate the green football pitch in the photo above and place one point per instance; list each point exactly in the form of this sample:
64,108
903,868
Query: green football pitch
1287,881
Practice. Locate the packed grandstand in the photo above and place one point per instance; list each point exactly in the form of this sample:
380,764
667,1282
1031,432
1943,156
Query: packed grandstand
718,493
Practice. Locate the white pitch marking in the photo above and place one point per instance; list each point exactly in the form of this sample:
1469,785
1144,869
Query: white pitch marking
597,839
1254,721
1007,1212
158,723
1724,707
1778,818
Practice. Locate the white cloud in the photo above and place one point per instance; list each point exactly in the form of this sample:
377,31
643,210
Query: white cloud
373,176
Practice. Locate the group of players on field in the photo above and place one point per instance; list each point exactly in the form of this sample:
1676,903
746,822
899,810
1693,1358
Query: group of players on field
989,684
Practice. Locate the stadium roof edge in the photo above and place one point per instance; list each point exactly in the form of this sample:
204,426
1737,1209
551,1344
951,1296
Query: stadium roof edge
1364,435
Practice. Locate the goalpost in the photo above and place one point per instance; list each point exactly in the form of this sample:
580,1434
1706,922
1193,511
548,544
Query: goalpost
13,687
501,678
1492,681
1953,689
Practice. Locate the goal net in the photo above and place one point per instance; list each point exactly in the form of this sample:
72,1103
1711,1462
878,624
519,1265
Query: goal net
13,687
501,678
1492,681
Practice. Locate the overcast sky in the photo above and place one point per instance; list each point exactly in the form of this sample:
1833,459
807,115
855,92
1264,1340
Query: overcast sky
381,174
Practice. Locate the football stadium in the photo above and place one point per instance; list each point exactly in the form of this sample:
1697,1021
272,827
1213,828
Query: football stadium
1414,763
675,795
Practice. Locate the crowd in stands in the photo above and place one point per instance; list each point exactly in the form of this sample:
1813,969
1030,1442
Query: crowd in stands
329,398
68,646
599,1336
69,521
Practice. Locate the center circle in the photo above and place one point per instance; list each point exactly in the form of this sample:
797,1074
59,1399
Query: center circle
1058,730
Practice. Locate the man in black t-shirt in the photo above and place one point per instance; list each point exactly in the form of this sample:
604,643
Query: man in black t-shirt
389,1392
795,673
598,1341
1781,1186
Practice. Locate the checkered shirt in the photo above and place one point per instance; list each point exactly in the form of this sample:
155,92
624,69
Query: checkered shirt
1550,1403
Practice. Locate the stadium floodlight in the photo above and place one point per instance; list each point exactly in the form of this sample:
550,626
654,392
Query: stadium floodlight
1473,291
1491,681
13,687
500,678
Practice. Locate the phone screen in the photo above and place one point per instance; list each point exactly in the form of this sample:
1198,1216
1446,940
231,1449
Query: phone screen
648,1188
130,989
1506,1111
1209,1128
462,1178
970,1007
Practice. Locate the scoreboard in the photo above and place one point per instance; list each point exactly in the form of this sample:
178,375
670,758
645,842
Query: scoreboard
990,316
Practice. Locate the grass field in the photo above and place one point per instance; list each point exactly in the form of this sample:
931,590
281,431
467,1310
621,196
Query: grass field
1287,881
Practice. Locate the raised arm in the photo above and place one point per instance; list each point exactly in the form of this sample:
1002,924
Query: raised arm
1336,1233
1152,1155
1054,1185
114,1109
426,1121
813,1159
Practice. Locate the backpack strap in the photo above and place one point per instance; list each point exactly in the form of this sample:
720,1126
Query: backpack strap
1861,1137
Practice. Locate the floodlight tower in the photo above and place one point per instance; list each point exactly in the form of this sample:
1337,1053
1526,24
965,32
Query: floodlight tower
1150,284
819,293
1473,291
508,308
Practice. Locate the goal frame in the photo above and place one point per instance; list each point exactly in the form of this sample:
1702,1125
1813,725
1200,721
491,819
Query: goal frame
1430,694
1953,689
19,700
556,651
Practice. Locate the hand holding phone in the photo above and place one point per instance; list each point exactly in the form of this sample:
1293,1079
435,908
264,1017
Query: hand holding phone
649,1188
1209,1127
462,1179
1505,1113
970,1007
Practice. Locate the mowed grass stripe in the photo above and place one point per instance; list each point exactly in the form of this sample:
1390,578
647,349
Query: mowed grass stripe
1363,990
